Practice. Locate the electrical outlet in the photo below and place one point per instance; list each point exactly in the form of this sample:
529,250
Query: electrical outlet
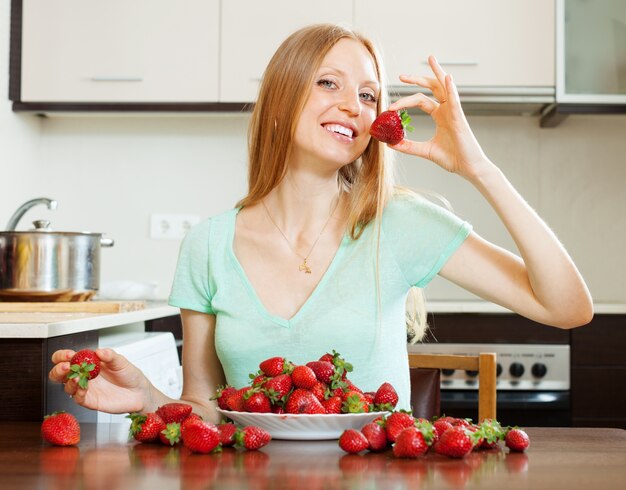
171,226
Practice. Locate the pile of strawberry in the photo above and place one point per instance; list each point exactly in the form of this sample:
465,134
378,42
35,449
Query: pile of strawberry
449,436
317,387
175,422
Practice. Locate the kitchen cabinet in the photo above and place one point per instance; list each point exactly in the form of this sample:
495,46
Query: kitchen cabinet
251,32
142,51
483,43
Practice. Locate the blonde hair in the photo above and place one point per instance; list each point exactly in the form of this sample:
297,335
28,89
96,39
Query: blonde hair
284,90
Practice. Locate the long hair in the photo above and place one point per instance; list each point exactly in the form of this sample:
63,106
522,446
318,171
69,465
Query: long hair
284,90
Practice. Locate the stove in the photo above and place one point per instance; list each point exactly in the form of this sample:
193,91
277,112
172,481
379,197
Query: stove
533,382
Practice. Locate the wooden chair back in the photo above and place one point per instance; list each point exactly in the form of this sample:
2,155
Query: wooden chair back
484,363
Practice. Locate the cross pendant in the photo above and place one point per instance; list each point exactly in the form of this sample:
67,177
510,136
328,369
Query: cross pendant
304,268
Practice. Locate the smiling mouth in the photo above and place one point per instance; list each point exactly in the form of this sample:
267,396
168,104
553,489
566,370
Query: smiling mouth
339,129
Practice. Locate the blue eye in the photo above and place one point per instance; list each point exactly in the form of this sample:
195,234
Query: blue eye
326,83
368,97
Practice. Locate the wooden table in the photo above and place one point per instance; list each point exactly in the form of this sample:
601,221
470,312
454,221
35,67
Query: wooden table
564,458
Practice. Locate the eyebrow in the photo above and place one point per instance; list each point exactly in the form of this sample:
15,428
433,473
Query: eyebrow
343,73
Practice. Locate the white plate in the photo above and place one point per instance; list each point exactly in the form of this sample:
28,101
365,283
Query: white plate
302,427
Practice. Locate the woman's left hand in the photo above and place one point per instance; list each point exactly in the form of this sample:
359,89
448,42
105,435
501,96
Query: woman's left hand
454,146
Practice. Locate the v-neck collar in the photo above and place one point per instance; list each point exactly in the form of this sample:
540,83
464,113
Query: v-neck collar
252,292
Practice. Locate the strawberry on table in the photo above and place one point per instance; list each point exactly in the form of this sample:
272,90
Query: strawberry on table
376,436
60,429
410,443
397,421
227,432
389,127
517,440
174,412
252,437
84,365
202,437
193,417
146,428
456,442
171,435
353,441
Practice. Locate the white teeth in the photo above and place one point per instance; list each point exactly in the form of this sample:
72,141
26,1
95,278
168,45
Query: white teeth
337,128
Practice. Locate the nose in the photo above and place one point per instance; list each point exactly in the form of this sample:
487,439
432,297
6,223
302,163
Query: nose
350,103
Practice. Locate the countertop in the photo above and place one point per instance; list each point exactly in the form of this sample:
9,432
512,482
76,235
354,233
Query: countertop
46,325
559,458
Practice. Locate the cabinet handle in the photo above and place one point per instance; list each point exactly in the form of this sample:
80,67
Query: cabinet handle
116,79
454,63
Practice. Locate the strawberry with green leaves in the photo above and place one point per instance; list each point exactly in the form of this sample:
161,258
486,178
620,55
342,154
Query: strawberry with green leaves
61,429
275,365
84,365
252,438
395,422
410,443
227,432
256,401
278,388
355,402
390,126
385,398
221,395
456,442
202,437
146,427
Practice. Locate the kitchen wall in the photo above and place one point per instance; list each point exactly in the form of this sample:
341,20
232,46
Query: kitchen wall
110,173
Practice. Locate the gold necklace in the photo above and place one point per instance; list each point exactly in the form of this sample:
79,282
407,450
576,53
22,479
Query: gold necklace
304,267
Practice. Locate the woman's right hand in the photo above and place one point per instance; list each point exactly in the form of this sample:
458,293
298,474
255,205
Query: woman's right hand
120,387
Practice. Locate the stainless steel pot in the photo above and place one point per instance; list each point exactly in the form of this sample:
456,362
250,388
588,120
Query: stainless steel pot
47,265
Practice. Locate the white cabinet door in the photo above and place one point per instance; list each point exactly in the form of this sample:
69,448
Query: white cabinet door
487,43
251,32
120,50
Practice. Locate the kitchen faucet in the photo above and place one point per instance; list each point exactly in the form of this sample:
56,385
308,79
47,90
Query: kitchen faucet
21,211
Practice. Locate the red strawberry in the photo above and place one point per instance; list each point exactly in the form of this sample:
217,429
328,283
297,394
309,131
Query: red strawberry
193,417
252,437
350,386
303,377
333,404
353,441
410,443
389,127
258,380
326,358
386,397
235,401
60,429
492,433
221,395
376,436
440,426
171,434
397,421
174,412
227,434
275,366
278,409
517,440
323,370
341,366
201,437
256,401
145,428
319,389
355,402
303,401
277,388
455,442
84,365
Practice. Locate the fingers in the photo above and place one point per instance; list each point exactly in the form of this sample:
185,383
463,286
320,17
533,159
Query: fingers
419,100
61,367
417,148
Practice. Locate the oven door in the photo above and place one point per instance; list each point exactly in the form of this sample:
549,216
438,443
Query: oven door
523,408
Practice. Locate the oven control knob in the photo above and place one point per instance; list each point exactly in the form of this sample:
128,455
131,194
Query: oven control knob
472,374
498,369
516,369
539,370
447,372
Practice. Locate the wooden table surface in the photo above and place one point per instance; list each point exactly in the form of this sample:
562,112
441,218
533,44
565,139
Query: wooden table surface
567,458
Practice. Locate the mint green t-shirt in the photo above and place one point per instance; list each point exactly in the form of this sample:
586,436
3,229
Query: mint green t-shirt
342,313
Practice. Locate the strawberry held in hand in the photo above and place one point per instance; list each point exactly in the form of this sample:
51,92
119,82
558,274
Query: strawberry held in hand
60,429
84,365
389,127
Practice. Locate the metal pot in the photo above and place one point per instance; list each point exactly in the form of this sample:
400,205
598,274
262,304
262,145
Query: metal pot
46,265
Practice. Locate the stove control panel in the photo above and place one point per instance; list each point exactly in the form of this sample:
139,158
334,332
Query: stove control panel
519,366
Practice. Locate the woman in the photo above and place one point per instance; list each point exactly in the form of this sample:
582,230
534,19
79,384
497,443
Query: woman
323,250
